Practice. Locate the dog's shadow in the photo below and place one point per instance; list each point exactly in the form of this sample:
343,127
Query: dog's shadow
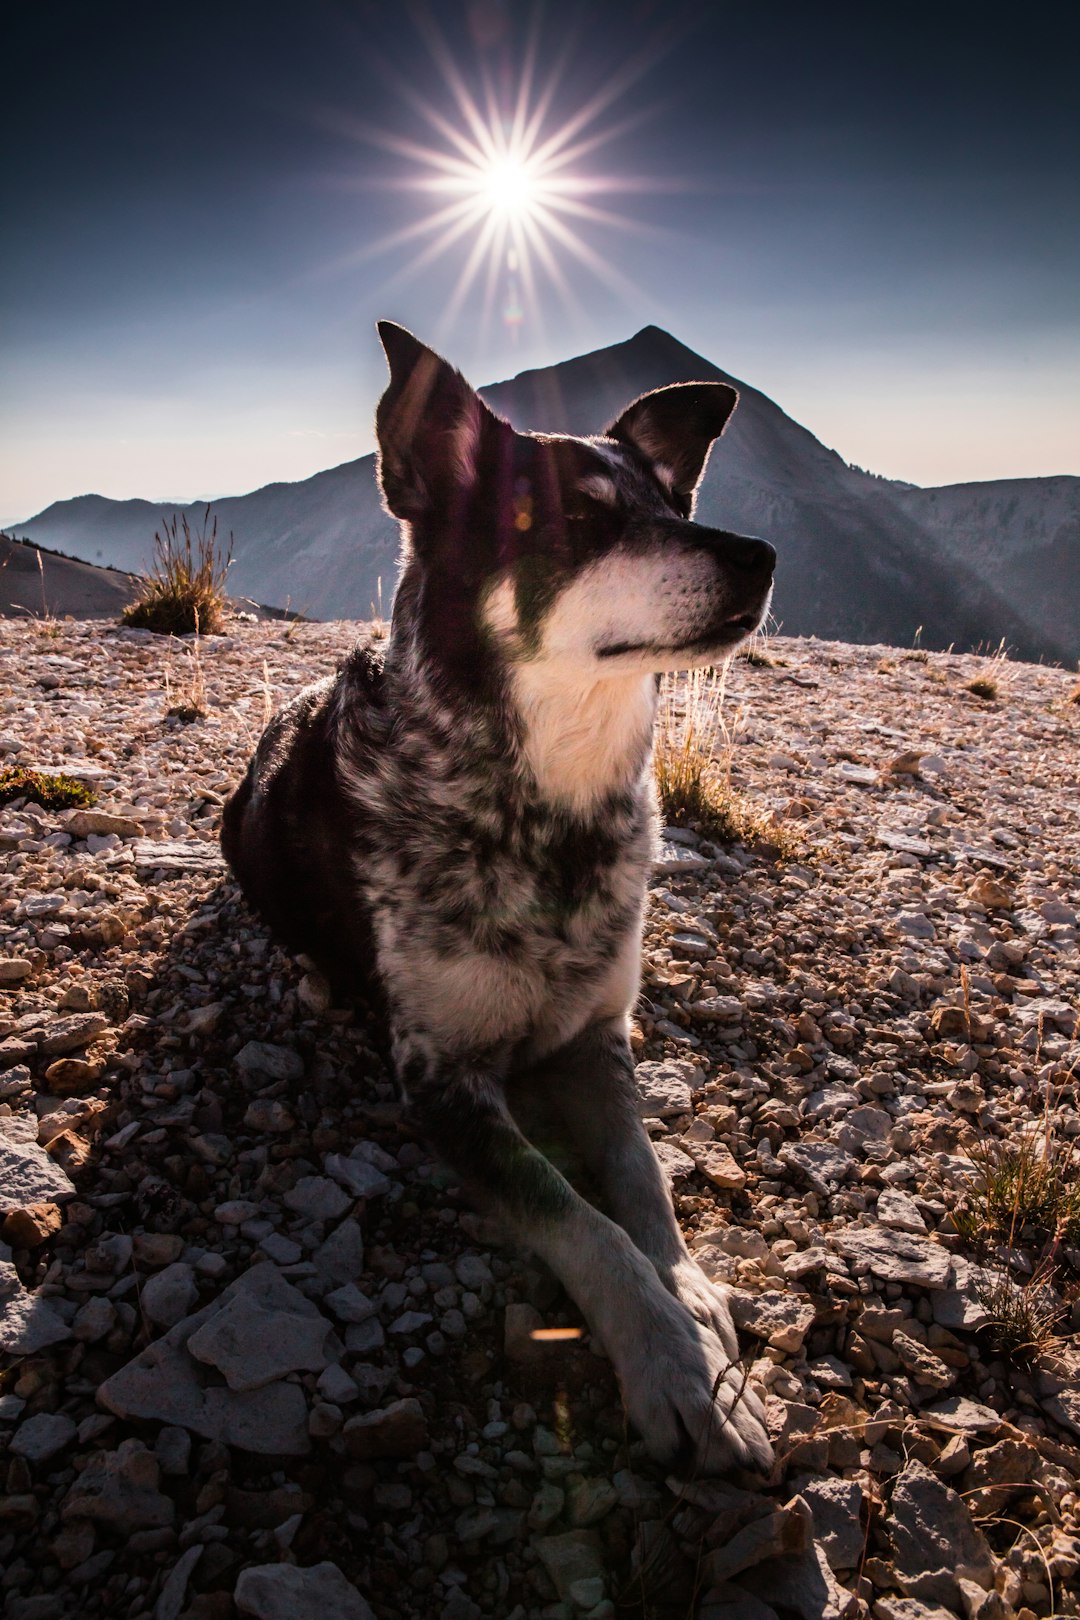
220,1122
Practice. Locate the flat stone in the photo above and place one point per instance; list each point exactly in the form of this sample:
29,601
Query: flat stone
822,1165
173,1595
675,1164
29,1176
782,1320
169,1294
252,1344
357,1176
899,1211
341,1257
671,857
177,855
775,1535
934,1540
69,1034
900,1257
13,969
30,1227
835,1505
275,1062
285,1592
717,1165
576,1556
42,1436
119,1489
664,1089
349,1304
397,1430
167,1385
916,925
317,1198
958,1415
27,1324
83,823
920,1361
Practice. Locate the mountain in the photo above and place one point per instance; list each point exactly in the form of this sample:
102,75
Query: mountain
861,558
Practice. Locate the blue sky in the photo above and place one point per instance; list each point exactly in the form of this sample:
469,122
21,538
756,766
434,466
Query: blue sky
870,213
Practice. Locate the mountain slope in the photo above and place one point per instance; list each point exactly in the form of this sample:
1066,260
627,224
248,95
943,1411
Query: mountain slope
860,558
34,584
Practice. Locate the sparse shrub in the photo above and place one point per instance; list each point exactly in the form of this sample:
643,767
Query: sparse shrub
694,784
184,591
1074,695
51,792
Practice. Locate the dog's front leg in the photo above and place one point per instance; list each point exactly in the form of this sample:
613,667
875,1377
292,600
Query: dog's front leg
592,1081
683,1391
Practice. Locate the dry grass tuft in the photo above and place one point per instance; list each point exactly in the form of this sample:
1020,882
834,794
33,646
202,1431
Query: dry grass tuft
1024,1317
51,792
692,762
184,591
1029,1193
983,686
379,629
1074,695
992,681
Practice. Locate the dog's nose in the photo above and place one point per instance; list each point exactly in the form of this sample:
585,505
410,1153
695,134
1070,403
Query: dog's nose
754,557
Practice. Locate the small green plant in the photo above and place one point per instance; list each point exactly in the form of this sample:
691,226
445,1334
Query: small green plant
184,590
693,784
51,792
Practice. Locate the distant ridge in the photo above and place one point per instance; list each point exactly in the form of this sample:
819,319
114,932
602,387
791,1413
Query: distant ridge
860,558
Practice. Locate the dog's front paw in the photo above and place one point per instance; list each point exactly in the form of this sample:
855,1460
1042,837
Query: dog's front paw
706,1301
688,1398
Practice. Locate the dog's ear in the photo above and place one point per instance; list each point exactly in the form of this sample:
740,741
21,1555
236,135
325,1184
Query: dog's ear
675,427
428,423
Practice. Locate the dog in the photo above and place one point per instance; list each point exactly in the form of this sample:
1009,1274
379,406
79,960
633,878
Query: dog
470,822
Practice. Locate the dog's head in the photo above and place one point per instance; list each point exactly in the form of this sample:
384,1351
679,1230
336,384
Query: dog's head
551,547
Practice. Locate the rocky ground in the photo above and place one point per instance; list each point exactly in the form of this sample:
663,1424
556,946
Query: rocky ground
262,1359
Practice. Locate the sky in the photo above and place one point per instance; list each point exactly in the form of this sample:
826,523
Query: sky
868,212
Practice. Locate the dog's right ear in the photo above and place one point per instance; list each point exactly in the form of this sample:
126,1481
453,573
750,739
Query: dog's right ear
428,423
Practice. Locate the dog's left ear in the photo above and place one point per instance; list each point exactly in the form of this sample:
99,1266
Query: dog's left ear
428,423
675,427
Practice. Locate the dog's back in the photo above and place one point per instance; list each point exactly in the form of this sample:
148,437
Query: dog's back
287,829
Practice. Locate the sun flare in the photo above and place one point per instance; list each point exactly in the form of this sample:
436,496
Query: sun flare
512,188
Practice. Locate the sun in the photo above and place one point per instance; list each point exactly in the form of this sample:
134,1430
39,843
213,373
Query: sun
511,184
508,186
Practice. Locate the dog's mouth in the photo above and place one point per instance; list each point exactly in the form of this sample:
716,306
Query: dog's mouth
726,634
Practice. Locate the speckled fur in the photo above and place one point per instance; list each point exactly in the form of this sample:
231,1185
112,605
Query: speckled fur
469,825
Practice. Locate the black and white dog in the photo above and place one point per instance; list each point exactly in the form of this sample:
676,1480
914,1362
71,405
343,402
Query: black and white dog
471,821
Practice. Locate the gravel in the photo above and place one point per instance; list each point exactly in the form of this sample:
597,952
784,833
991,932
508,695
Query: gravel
264,1357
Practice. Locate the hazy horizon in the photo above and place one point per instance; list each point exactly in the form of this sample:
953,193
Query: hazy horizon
872,219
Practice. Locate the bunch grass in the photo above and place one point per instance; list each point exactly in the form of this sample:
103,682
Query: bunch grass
184,590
